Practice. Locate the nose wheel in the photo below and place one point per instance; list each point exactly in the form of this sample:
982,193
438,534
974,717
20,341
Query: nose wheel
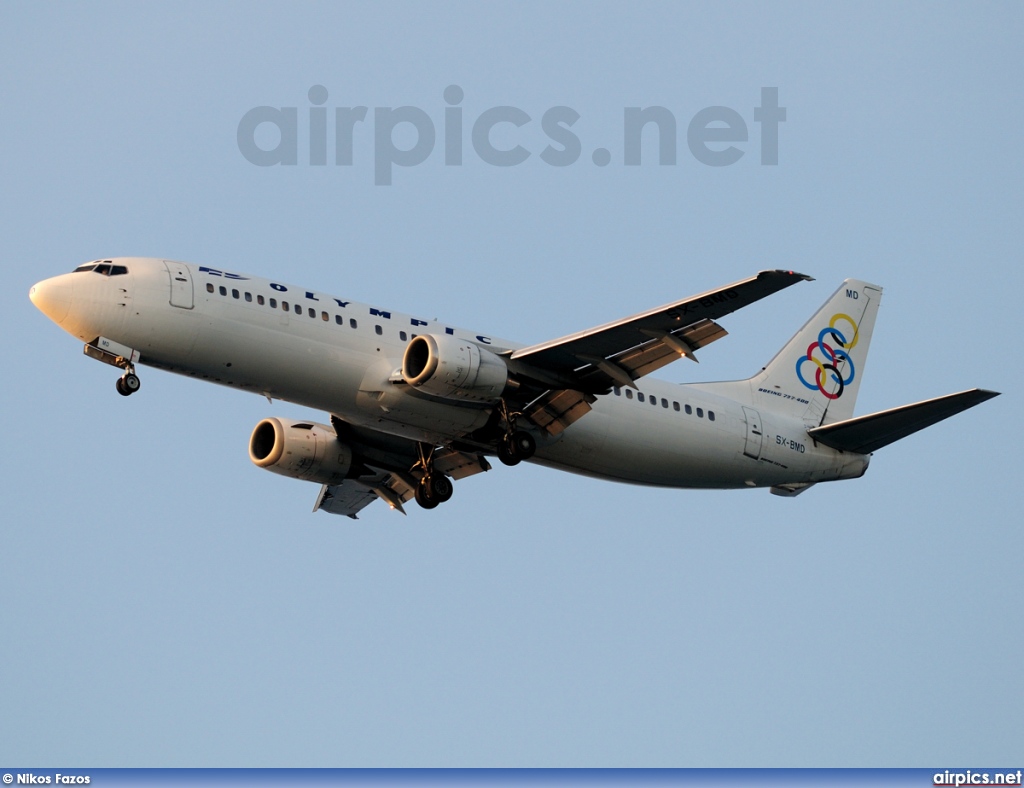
128,384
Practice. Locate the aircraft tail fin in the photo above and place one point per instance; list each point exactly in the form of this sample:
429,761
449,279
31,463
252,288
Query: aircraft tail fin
818,372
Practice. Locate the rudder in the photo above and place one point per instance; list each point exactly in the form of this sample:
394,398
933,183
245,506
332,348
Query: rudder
818,372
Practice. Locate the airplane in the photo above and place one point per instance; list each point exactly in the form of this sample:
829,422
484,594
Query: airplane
416,404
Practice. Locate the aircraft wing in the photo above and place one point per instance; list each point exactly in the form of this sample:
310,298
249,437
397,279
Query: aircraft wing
574,369
384,471
595,358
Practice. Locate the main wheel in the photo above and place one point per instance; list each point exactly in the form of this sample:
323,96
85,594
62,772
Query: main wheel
130,382
120,388
423,498
523,445
441,487
506,452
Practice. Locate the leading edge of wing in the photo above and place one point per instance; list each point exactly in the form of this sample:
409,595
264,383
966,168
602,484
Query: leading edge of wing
564,354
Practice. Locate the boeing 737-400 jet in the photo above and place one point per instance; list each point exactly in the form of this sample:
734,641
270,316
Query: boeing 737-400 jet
415,404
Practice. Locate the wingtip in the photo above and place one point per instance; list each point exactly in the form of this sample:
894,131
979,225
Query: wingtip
979,394
788,274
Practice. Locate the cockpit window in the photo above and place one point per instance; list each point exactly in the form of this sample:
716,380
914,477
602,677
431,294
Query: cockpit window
103,267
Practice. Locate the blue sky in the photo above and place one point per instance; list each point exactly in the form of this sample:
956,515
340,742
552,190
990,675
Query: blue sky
166,603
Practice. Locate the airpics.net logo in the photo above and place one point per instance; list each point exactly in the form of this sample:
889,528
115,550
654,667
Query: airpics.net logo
498,136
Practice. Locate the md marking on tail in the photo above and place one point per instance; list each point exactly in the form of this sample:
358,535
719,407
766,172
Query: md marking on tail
817,375
414,404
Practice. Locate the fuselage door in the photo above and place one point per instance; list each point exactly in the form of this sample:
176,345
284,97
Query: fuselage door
755,435
181,284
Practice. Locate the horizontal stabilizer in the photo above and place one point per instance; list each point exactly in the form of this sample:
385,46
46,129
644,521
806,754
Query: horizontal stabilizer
866,434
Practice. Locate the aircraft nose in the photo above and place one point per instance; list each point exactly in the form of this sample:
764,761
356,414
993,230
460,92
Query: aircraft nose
52,297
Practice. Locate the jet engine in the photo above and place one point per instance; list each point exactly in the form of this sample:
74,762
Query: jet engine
301,450
454,368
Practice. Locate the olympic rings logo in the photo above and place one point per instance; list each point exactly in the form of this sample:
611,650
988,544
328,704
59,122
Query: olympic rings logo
827,358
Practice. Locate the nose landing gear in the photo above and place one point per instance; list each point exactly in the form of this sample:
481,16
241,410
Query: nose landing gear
117,355
128,383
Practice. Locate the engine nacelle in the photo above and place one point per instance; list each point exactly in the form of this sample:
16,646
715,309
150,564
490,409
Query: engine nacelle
454,368
301,450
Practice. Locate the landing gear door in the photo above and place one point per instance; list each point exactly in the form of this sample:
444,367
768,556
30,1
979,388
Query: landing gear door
755,434
181,284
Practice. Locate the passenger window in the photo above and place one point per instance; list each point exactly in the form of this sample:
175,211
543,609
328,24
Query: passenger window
618,391
352,322
640,396
664,402
402,335
338,319
379,330
711,415
248,297
675,406
298,309
260,300
629,393
689,410
324,316
654,401
700,413
209,287
312,312
273,303
285,306
223,290
234,294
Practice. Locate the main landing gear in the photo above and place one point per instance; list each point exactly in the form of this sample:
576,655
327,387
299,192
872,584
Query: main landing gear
128,383
434,487
515,445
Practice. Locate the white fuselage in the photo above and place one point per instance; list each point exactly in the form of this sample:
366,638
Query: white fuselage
342,357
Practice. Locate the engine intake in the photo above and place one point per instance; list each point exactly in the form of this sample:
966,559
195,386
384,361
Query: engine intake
454,368
301,450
